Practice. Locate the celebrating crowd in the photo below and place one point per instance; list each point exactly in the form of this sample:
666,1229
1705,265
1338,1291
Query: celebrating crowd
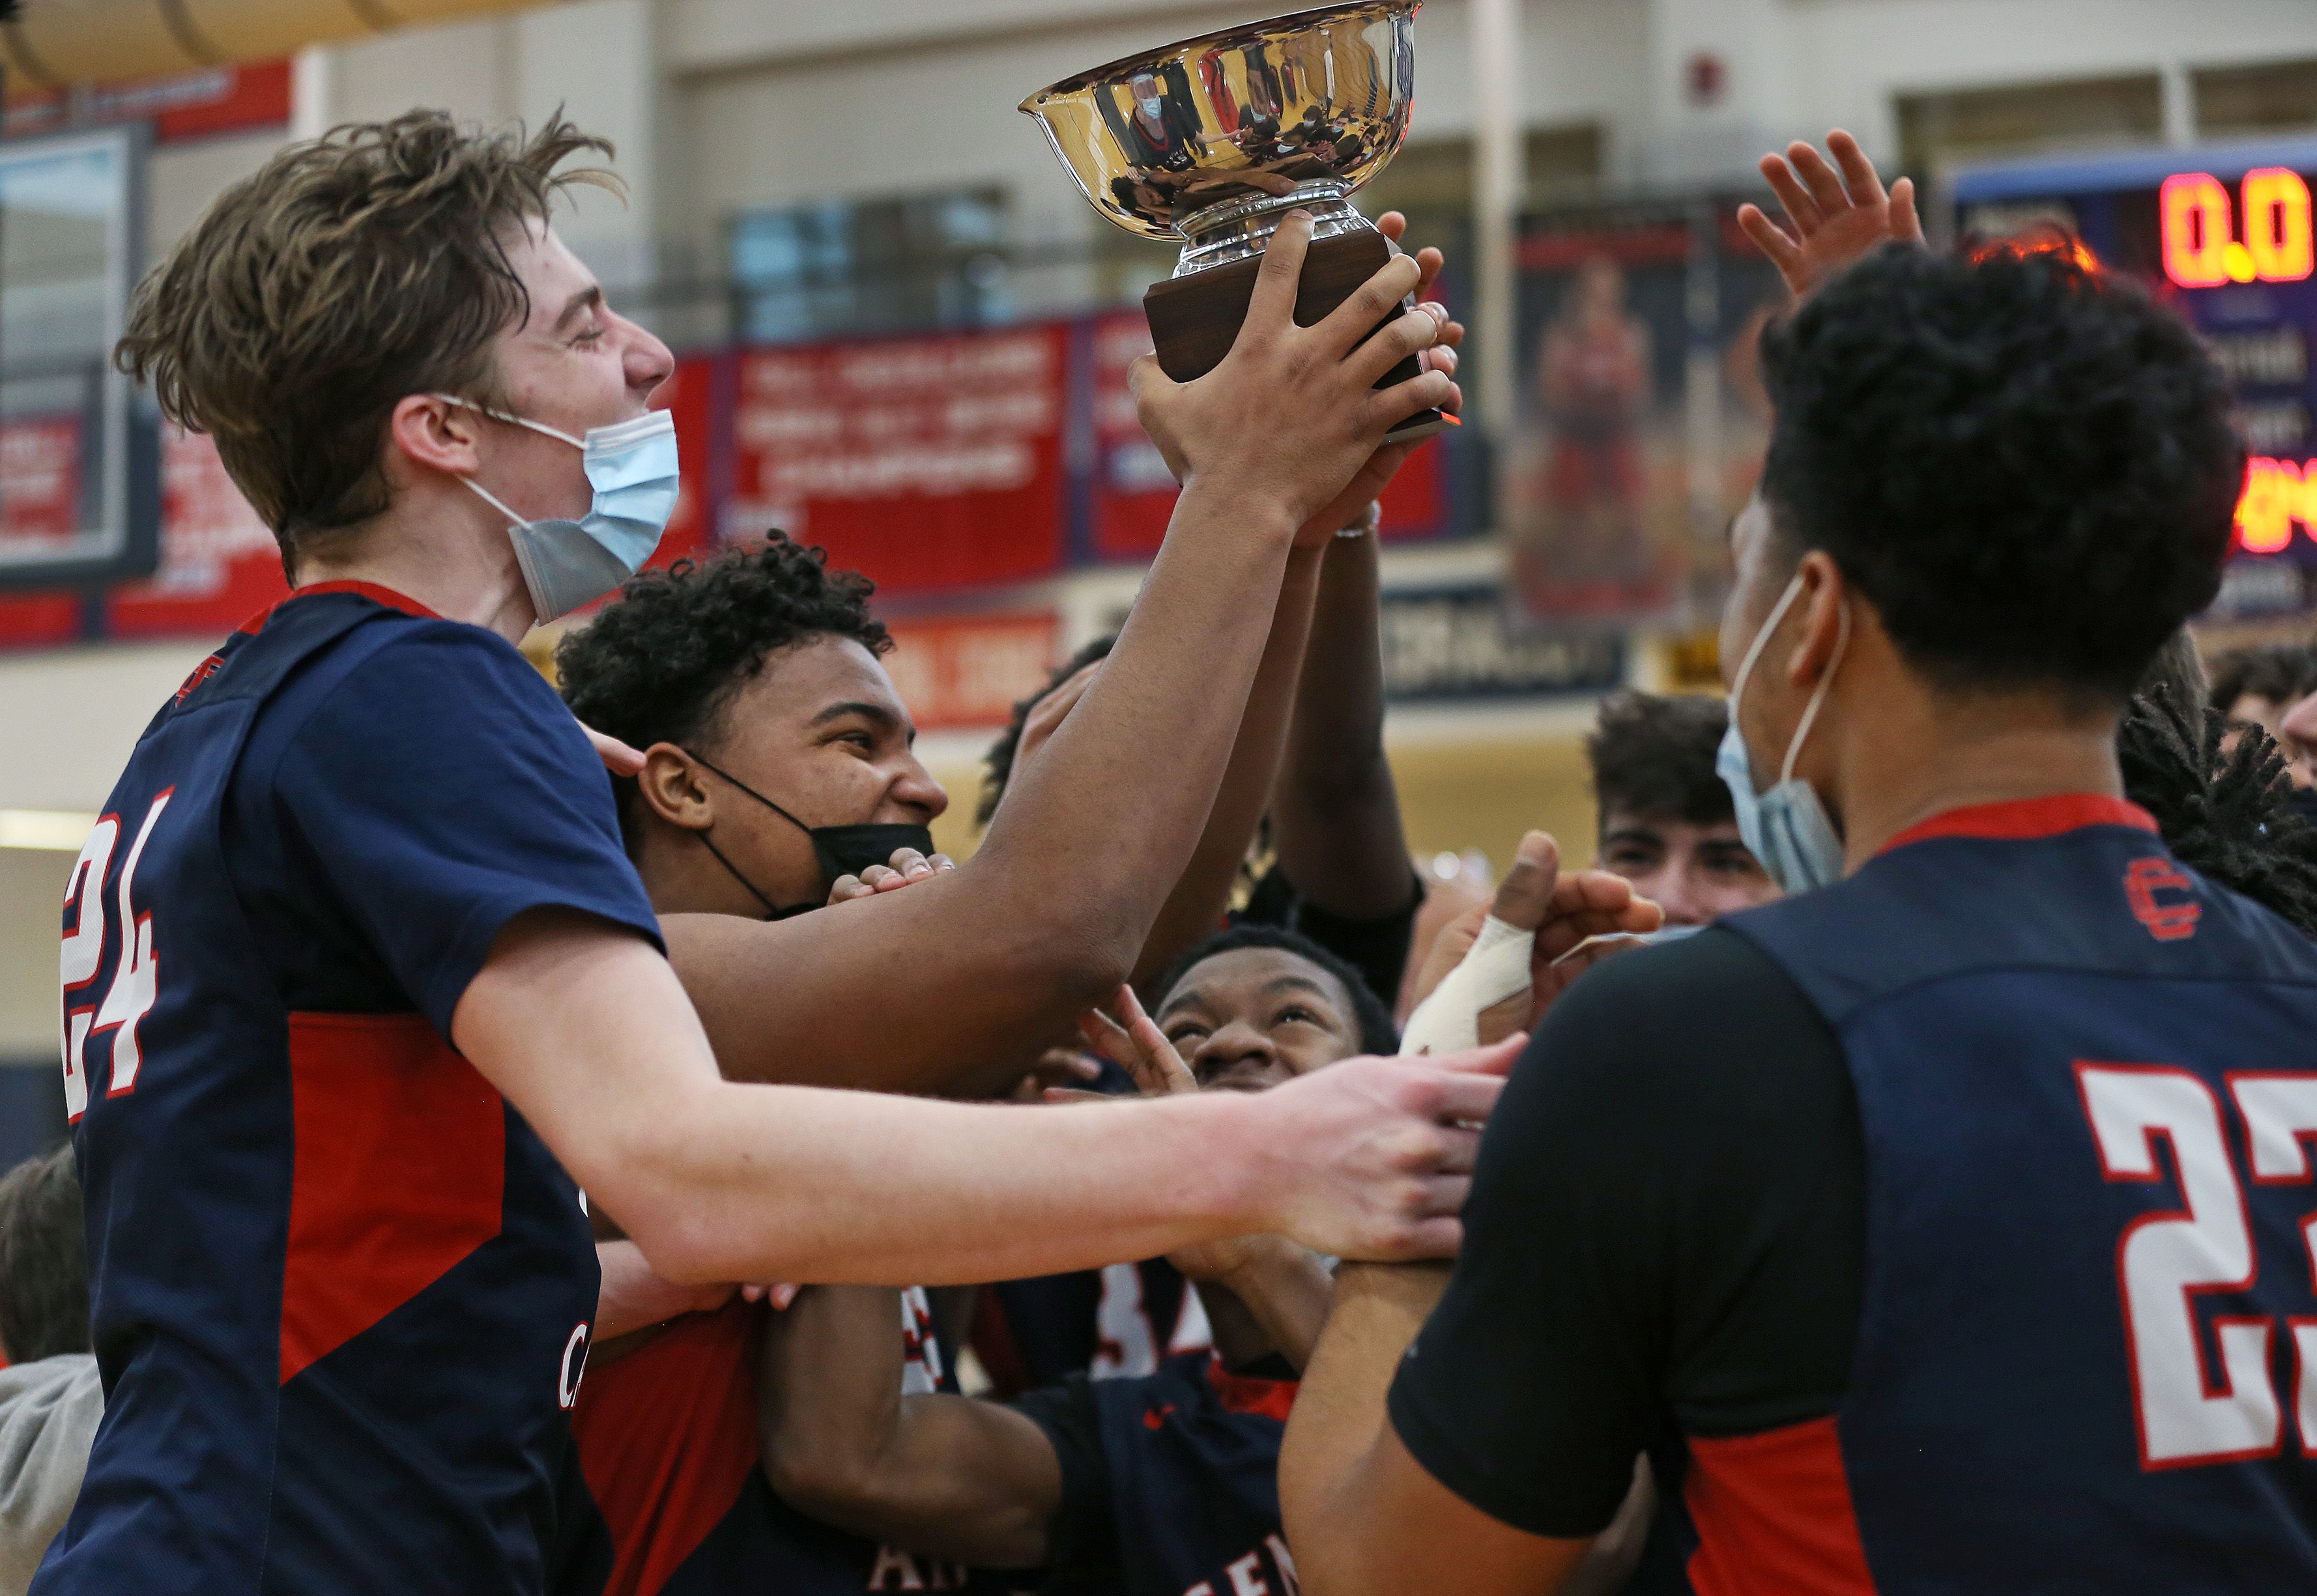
528,1145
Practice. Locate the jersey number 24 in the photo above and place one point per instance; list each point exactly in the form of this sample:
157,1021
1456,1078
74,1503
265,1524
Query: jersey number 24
136,977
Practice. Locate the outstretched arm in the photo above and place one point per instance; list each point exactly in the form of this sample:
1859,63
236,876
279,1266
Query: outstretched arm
1056,906
583,1027
951,1476
1202,895
1336,818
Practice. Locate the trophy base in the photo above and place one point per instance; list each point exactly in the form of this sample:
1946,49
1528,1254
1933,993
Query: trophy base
1195,318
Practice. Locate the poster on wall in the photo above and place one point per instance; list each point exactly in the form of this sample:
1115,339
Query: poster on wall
929,462
1641,418
1133,492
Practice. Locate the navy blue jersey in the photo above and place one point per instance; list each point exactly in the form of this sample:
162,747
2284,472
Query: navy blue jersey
2087,1346
668,1498
1170,1481
1124,1319
340,1289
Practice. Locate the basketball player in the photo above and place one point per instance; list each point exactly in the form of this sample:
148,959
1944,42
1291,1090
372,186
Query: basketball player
1665,822
360,990
1146,1484
1939,1226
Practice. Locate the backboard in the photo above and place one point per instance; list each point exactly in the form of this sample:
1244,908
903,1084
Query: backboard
79,448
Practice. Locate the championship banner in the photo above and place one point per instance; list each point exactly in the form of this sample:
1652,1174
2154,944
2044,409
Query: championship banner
690,393
1133,492
39,481
929,463
39,509
219,563
966,671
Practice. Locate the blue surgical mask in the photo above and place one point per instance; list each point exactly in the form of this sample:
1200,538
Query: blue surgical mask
631,466
1786,828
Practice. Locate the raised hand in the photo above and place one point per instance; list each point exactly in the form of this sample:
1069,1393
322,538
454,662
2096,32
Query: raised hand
1134,1043
1291,414
1837,211
1367,485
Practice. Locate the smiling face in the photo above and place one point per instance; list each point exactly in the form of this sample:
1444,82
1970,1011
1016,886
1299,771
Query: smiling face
820,732
1249,1018
570,363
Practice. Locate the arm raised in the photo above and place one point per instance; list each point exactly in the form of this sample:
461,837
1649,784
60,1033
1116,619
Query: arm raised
1054,909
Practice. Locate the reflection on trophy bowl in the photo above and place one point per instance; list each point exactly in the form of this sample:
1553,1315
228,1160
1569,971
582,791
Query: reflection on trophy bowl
1212,141
1211,138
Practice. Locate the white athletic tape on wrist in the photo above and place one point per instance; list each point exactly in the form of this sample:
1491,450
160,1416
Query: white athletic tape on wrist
1497,968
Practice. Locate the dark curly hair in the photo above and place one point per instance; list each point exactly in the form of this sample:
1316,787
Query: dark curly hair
1379,1032
998,762
2281,672
2227,816
661,665
2026,465
1652,756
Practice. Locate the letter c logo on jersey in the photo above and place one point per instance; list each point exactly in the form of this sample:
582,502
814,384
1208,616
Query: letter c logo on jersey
575,1367
2167,920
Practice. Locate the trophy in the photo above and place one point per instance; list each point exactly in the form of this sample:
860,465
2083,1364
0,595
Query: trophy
1212,141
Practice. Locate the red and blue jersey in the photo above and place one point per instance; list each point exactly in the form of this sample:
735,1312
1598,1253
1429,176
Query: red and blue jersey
340,1289
668,1497
2086,1355
1170,1481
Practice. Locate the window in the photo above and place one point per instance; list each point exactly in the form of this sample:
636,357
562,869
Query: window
2268,97
2020,119
841,266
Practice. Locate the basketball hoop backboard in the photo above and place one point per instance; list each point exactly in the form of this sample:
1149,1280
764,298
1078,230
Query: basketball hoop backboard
79,449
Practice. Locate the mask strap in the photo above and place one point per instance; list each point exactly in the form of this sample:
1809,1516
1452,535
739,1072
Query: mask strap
760,798
495,501
772,910
1761,640
1817,695
536,426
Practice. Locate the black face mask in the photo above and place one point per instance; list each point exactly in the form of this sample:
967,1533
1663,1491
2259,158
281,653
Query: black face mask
841,850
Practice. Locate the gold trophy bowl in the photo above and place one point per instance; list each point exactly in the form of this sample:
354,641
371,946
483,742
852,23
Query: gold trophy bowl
1214,139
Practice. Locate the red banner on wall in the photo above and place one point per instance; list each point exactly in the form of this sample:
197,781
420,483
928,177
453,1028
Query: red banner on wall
179,105
1134,491
968,670
929,463
219,563
40,482
39,510
690,392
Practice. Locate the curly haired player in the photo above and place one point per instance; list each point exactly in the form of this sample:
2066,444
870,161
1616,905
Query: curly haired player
1888,1218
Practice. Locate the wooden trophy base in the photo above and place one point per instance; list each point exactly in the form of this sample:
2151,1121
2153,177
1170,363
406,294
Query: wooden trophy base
1194,319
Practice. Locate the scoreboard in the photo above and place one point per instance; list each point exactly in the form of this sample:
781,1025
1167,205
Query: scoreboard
2223,233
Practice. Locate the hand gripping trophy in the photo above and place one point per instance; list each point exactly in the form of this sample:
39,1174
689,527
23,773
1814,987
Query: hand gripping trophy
1214,139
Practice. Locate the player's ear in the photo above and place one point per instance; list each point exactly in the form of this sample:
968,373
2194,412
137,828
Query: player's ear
432,431
1824,600
674,790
